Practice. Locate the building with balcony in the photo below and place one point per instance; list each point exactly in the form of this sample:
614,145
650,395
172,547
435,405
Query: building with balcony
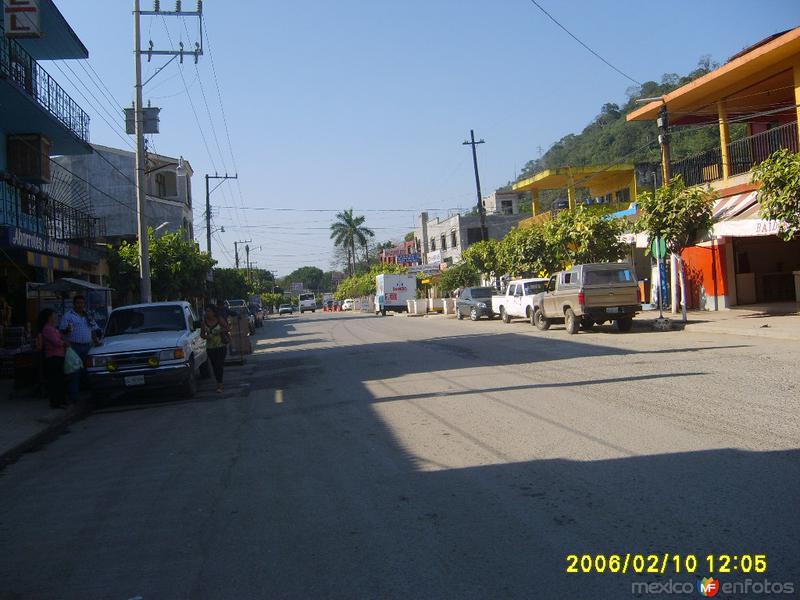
46,229
112,172
753,101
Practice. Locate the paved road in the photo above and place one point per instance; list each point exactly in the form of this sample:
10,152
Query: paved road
360,457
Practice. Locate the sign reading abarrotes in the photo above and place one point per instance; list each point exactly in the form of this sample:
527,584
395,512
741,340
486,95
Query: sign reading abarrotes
22,18
31,241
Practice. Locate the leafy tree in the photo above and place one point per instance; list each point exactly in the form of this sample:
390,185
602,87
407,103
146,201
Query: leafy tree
363,284
228,284
779,177
261,281
485,257
409,237
310,277
527,253
348,231
178,268
678,215
585,235
271,299
459,276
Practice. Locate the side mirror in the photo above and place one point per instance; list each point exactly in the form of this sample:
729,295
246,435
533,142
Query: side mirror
196,324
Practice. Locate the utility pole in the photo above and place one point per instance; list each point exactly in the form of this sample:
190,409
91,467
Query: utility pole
247,252
666,173
481,208
208,204
141,198
236,250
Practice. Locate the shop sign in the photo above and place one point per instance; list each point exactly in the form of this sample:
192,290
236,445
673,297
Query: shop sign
408,258
17,238
22,18
435,257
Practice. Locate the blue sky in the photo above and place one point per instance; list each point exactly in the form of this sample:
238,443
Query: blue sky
364,104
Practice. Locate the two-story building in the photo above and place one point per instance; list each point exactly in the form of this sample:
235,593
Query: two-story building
404,253
503,203
443,240
46,229
168,188
753,100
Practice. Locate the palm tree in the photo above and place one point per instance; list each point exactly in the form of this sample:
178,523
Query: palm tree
347,231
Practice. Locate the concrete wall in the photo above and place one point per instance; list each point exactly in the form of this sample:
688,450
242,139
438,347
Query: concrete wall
493,204
117,181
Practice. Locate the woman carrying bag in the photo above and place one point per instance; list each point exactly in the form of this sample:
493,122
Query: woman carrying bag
54,347
217,334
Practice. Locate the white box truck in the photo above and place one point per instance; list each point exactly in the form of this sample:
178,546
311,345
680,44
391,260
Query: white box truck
393,291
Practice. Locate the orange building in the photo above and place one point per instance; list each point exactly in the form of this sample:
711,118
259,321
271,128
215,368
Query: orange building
743,262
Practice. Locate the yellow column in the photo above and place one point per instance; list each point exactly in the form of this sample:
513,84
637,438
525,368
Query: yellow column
632,186
724,137
536,206
797,95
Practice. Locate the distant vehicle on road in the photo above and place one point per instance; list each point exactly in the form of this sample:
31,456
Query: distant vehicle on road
258,313
348,304
393,292
235,303
475,302
285,309
587,295
517,302
307,301
154,345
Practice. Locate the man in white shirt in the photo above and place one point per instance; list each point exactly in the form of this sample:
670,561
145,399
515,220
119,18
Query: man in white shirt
80,329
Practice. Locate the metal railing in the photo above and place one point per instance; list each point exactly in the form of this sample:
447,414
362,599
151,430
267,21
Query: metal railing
38,213
743,155
19,67
748,152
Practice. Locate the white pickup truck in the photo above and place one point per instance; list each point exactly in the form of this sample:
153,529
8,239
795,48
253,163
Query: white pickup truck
517,302
149,346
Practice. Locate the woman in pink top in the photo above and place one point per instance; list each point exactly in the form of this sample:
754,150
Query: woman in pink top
53,347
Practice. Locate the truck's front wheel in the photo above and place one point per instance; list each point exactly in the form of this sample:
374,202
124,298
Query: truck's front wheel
542,323
504,315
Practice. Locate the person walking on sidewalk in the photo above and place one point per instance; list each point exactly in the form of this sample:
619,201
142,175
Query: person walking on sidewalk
53,346
80,329
216,332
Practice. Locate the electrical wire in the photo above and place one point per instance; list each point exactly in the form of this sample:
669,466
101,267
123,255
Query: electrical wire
577,39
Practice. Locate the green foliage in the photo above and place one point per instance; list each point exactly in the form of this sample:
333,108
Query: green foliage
676,214
485,257
363,284
177,267
584,235
228,284
272,299
779,177
409,237
526,253
347,232
310,277
261,281
459,276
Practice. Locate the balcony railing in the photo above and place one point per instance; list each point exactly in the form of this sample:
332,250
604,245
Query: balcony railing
18,67
25,207
743,155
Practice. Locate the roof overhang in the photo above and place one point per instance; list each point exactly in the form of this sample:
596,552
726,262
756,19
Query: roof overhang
769,61
58,40
600,179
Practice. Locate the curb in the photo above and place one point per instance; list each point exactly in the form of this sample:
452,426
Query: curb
49,433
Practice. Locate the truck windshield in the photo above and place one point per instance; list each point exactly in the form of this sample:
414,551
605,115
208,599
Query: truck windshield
534,287
306,296
608,276
145,319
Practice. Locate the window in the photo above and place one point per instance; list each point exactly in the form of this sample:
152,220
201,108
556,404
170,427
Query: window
166,185
161,186
607,276
534,287
443,237
433,244
507,207
474,235
144,319
453,240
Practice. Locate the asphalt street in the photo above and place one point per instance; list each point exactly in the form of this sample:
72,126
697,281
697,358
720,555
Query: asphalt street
363,457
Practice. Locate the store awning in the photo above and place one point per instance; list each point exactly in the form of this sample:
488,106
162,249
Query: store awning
45,261
70,284
732,206
738,216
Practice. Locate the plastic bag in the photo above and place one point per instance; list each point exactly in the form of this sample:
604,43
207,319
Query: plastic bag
72,362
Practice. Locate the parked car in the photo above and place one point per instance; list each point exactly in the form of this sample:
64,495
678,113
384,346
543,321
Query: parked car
587,295
348,304
475,302
235,303
148,346
517,302
328,304
285,309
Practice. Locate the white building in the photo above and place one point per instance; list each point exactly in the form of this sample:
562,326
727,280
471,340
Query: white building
443,240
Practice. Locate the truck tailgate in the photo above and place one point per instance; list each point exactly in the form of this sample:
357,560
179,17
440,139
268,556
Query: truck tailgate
610,295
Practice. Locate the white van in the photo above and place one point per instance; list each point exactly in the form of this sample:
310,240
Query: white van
307,301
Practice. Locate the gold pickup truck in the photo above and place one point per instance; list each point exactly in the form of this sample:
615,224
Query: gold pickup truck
587,295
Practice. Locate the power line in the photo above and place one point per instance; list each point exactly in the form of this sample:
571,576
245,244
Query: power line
336,210
577,39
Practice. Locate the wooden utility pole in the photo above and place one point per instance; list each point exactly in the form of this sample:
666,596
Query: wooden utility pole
481,208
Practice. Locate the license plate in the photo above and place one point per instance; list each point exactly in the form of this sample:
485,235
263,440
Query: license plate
613,309
134,380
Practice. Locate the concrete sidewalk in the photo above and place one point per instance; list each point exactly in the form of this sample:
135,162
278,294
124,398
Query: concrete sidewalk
777,321
27,421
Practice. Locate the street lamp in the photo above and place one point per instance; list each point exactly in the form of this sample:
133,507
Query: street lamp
160,227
